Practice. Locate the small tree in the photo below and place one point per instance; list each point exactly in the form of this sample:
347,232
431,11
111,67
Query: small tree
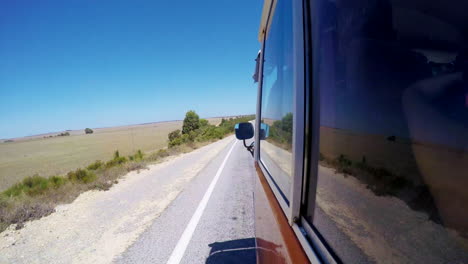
88,131
191,122
174,134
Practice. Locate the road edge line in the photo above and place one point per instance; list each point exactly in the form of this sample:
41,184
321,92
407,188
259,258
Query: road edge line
179,250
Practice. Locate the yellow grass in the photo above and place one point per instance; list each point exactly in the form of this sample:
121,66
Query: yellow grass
59,155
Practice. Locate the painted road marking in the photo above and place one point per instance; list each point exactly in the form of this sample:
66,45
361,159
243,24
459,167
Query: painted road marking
184,240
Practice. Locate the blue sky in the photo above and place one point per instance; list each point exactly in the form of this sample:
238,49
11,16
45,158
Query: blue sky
76,64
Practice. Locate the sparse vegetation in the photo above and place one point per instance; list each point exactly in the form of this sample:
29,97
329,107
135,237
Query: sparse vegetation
281,132
37,196
88,131
59,155
199,130
63,134
95,165
117,160
384,182
137,156
81,175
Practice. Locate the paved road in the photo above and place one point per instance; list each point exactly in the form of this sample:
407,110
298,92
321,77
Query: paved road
225,231
142,218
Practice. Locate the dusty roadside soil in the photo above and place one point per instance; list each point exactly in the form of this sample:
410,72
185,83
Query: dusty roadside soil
100,225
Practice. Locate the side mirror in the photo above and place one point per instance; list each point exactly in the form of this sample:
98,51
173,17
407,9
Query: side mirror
244,130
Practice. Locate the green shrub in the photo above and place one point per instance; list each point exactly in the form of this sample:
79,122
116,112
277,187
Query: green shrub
137,156
204,122
31,186
95,165
174,134
88,131
117,160
204,131
57,181
176,142
82,176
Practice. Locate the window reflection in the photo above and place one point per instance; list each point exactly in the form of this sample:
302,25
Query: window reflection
277,99
393,167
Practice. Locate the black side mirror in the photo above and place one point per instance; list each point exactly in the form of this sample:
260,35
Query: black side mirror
244,130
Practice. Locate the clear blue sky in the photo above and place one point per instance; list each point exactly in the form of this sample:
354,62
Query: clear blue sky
76,64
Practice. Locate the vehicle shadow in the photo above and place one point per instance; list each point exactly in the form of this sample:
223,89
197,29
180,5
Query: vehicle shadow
232,251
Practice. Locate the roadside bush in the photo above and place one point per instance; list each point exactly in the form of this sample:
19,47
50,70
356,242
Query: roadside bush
137,156
212,132
175,142
82,176
88,131
95,165
204,122
117,160
281,132
57,181
174,134
30,186
204,131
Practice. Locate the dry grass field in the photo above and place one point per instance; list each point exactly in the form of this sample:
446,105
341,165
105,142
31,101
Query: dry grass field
59,155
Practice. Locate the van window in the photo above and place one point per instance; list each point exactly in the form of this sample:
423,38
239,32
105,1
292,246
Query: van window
277,99
393,172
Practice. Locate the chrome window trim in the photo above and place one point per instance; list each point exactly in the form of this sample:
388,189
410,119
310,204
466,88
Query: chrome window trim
317,243
308,249
298,111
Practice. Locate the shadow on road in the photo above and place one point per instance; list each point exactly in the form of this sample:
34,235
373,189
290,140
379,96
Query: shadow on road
232,251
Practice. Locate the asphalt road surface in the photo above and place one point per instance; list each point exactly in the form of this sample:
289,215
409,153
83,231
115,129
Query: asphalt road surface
224,232
193,208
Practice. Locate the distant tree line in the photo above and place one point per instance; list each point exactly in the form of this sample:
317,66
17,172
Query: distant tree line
63,134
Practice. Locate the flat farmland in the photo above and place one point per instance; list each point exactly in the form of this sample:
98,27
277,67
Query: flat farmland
59,155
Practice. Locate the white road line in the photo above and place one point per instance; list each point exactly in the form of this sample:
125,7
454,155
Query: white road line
184,240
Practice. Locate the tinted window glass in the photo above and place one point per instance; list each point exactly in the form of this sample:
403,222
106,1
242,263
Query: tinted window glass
277,98
393,170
